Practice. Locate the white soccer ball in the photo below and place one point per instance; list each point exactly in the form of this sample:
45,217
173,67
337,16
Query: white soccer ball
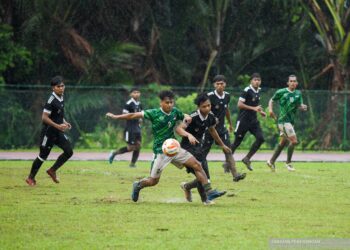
171,147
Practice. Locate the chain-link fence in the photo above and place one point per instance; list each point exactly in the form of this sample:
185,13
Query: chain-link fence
324,126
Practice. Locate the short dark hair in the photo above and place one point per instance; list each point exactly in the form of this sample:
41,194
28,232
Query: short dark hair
291,76
202,97
255,75
219,78
134,89
56,80
166,93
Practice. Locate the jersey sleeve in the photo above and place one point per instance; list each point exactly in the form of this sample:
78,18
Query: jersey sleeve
243,96
278,94
179,115
126,109
48,106
149,114
212,121
300,102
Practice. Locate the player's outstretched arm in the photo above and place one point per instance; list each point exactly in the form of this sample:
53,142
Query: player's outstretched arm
218,140
129,116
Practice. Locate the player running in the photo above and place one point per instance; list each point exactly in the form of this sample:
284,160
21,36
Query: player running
163,120
203,120
52,133
248,104
132,132
289,100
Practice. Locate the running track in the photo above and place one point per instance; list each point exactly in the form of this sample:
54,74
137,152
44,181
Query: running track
102,156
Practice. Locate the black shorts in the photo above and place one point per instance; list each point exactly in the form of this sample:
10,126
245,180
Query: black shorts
208,141
49,138
132,138
242,127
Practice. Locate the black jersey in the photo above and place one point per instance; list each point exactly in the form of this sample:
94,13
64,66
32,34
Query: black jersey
198,126
250,97
132,106
55,108
219,105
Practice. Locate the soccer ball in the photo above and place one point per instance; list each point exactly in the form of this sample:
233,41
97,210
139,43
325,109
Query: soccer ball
171,147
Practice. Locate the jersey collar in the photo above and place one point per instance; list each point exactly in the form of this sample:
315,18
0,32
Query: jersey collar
290,90
57,97
134,101
217,94
255,91
200,116
165,112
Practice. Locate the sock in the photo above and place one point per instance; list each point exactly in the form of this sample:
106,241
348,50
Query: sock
191,184
207,187
60,161
290,153
121,151
256,145
277,152
35,168
201,192
135,156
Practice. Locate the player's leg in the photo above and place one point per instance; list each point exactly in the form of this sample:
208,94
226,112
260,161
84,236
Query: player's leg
205,149
121,150
293,141
255,130
160,161
46,144
240,131
135,150
283,142
65,145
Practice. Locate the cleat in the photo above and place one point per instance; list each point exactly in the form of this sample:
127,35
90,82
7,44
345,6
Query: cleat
226,166
135,191
290,167
271,165
239,177
111,157
52,174
208,202
132,165
213,194
31,182
188,193
247,162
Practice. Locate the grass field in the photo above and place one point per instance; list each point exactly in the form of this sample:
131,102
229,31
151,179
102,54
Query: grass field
91,208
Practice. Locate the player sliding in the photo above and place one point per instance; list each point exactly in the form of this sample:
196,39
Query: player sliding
203,120
163,121
289,100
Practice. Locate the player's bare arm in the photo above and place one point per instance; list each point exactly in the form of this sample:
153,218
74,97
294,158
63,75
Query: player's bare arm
228,117
67,123
218,140
258,109
47,120
272,114
180,130
129,116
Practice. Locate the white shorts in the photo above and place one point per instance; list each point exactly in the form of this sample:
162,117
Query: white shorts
160,161
286,129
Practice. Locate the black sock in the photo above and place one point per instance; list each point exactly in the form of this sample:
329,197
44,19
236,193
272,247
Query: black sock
290,153
277,152
60,161
122,150
207,187
201,192
256,145
135,156
191,184
35,168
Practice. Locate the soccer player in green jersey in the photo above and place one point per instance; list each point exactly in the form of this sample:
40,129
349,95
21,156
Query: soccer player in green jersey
290,100
163,120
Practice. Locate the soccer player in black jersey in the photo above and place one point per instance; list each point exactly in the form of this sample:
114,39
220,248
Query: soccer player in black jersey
132,132
203,120
247,120
52,133
220,100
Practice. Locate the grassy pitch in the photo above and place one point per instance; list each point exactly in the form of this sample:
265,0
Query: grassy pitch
91,207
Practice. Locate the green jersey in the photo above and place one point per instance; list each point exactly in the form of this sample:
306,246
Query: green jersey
162,125
289,102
